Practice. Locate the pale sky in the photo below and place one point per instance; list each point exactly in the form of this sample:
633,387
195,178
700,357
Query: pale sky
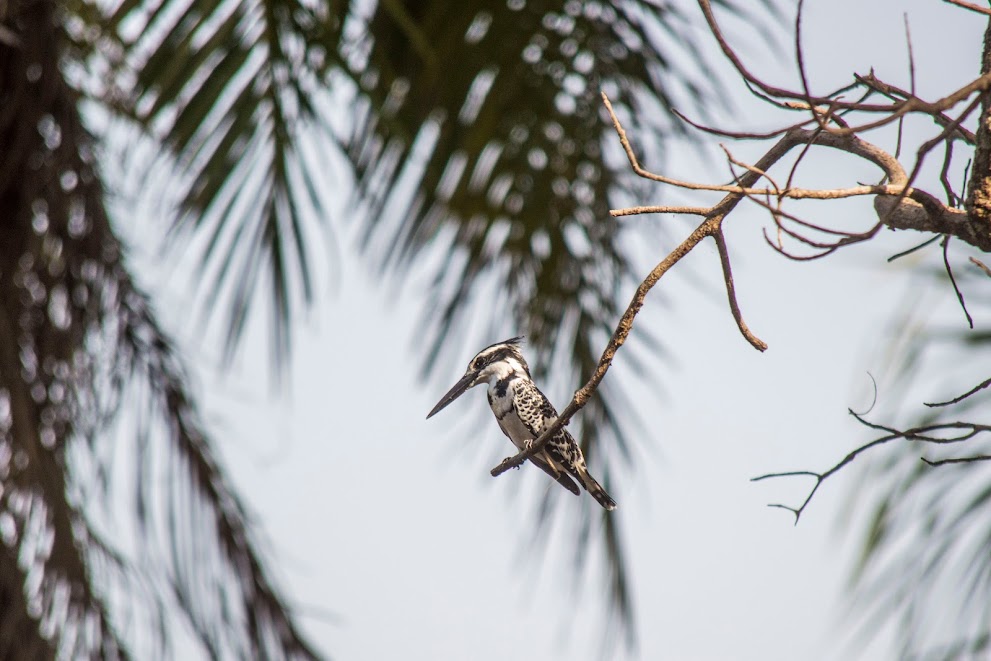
387,530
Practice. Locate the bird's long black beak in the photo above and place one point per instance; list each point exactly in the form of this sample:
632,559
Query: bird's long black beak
459,389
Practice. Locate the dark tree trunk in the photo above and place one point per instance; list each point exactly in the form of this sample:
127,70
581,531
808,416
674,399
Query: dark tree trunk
53,240
979,195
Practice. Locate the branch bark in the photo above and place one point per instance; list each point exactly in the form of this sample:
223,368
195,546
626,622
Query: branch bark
979,196
623,328
898,205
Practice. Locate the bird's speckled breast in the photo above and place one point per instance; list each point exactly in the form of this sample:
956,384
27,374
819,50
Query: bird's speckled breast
501,394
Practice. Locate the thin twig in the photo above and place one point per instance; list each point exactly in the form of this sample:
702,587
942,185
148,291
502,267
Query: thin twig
795,257
921,434
740,135
911,55
893,92
874,400
940,218
800,59
971,6
953,281
979,85
777,212
981,265
964,179
793,137
952,198
798,161
898,137
980,386
632,211
751,168
957,460
890,112
922,245
810,225
757,343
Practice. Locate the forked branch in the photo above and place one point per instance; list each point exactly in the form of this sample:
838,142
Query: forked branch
889,112
898,203
710,226
955,432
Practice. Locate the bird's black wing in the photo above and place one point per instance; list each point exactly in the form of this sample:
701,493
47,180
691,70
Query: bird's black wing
536,412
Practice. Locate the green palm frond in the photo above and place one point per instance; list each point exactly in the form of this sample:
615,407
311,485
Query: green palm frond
215,571
77,338
233,91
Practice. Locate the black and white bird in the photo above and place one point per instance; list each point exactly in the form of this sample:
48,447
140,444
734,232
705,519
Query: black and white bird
523,413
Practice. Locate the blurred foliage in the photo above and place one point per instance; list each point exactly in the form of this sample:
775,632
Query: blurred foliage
481,136
925,566
471,129
79,345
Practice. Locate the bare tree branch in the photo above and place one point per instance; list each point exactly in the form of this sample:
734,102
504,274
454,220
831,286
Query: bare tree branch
971,6
913,249
893,92
897,204
981,386
968,431
981,265
903,199
633,211
890,112
619,336
957,460
953,280
757,343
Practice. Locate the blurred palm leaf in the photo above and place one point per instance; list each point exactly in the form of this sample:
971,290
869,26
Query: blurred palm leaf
77,341
233,91
925,565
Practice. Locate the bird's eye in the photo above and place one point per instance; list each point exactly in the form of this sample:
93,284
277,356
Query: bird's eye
478,364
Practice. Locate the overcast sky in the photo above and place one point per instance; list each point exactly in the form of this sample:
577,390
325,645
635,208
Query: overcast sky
394,541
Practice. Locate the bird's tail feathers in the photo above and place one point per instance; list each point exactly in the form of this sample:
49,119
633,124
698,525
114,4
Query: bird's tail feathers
562,478
596,491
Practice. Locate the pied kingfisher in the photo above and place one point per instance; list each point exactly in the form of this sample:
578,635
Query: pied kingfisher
523,413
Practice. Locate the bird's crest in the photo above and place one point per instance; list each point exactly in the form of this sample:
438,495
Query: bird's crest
500,350
514,341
